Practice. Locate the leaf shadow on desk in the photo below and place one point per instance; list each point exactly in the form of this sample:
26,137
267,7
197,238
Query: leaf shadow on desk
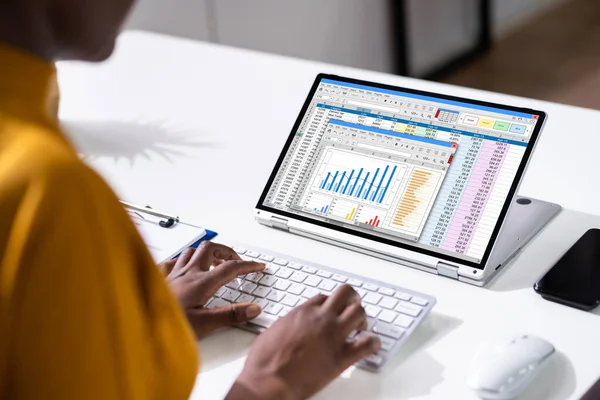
417,371
556,382
132,140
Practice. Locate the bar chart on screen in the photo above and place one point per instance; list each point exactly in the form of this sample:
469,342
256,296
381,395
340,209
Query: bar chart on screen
344,210
355,176
371,216
374,221
319,204
415,204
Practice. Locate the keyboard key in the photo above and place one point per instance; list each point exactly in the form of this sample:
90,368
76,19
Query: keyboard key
372,298
261,302
374,359
388,330
265,257
312,281
268,280
265,320
284,273
357,335
310,293
270,269
388,302
295,266
355,282
301,301
409,309
298,277
276,296
386,291
402,296
284,311
217,303
261,291
248,287
386,343
290,300
387,316
324,274
327,285
235,284
296,289
419,301
371,322
254,277
371,287
230,295
239,250
403,321
372,311
309,270
273,308
245,298
282,284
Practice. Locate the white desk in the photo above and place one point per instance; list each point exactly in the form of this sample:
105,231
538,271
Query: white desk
195,129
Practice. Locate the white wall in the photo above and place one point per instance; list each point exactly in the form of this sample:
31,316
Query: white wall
511,14
187,18
348,32
439,31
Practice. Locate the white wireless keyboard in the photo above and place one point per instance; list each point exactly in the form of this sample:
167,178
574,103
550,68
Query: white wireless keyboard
393,312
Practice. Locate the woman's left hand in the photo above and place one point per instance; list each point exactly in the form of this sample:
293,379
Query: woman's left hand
193,282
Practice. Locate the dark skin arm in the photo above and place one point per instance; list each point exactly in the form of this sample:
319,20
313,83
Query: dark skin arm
193,283
300,354
303,352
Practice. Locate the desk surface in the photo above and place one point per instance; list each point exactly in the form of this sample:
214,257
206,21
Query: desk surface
195,129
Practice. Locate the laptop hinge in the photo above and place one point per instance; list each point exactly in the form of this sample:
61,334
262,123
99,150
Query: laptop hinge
449,271
280,223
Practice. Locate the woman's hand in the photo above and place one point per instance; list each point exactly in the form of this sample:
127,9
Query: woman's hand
307,349
193,282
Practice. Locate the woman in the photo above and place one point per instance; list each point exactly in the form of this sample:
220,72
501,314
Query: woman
83,311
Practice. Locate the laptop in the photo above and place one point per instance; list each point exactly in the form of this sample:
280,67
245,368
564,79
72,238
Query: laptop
421,179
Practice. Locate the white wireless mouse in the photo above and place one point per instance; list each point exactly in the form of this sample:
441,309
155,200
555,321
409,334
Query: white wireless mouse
503,369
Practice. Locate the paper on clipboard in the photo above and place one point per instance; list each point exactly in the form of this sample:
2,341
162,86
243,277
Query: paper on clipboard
165,243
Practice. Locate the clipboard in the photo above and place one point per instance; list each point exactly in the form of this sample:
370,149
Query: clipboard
164,234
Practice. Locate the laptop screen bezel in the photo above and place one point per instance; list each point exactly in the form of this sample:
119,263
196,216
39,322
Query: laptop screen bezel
457,260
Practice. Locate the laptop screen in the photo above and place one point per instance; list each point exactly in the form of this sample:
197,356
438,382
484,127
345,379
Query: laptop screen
418,170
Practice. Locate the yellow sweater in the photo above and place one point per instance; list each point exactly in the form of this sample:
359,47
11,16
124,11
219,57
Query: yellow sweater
84,312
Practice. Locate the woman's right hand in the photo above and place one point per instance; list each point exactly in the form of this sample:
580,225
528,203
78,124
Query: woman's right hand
306,350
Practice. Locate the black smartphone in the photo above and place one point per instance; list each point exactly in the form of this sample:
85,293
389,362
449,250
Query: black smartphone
575,279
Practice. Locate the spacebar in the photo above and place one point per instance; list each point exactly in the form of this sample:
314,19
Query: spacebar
264,320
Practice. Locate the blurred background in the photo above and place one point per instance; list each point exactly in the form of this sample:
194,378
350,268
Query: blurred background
544,49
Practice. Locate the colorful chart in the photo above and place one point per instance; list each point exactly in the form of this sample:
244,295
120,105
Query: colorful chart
415,202
374,222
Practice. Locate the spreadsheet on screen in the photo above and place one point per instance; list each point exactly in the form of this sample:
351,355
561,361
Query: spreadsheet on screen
425,171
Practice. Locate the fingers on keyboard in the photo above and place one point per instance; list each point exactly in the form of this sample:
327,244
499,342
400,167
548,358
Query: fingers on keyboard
364,308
